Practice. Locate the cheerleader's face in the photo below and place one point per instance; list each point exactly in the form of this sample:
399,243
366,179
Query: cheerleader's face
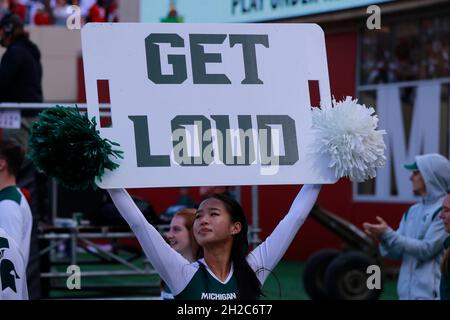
213,223
445,213
178,235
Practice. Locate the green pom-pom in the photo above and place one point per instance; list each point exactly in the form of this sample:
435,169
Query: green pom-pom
65,144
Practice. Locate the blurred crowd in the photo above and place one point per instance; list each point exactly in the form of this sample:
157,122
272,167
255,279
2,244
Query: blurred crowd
406,51
56,12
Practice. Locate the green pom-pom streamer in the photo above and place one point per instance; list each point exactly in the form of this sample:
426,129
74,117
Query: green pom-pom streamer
65,144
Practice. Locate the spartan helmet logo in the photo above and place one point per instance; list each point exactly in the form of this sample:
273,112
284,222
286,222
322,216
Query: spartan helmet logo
8,274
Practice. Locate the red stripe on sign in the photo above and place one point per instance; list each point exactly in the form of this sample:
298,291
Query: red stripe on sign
314,93
104,97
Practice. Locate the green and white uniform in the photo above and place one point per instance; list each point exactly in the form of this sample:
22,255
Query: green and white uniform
188,280
166,294
13,281
16,218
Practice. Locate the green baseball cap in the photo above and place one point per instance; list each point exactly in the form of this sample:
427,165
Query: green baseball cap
4,243
411,166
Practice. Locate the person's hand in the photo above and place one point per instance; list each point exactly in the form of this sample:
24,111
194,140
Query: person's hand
376,230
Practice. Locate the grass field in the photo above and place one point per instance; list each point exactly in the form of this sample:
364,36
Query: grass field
290,278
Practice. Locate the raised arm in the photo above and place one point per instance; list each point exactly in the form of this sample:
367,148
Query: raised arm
395,243
265,257
388,249
173,268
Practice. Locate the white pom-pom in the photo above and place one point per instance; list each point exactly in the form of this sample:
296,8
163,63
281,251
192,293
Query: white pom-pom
347,134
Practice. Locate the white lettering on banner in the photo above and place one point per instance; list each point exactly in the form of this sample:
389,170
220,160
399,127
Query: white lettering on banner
246,10
424,135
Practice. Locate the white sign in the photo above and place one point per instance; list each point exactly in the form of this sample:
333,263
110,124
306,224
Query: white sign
10,119
200,104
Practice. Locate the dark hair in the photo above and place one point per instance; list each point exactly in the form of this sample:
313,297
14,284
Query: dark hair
248,284
445,262
13,154
10,22
12,26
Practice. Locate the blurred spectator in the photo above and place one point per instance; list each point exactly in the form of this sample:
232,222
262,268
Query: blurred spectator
85,6
42,17
172,16
12,267
61,12
184,201
181,238
18,9
56,12
419,240
97,13
15,212
41,12
112,11
104,11
4,8
406,51
20,67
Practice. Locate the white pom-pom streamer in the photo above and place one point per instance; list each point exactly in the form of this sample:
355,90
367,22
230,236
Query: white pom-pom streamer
347,134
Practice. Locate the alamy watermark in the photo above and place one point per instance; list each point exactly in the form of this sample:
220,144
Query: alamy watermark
374,277
374,20
73,21
234,147
74,279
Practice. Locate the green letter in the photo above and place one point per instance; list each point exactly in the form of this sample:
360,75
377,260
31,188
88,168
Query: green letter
143,155
153,55
200,58
248,42
180,139
289,138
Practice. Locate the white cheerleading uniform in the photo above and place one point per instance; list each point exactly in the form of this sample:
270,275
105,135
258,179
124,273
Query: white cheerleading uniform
13,281
181,276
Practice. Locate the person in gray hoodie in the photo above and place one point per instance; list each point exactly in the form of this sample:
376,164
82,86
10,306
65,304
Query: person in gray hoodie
419,239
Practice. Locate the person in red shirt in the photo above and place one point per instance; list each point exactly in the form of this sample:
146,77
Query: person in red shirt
97,13
18,9
112,11
42,16
42,19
